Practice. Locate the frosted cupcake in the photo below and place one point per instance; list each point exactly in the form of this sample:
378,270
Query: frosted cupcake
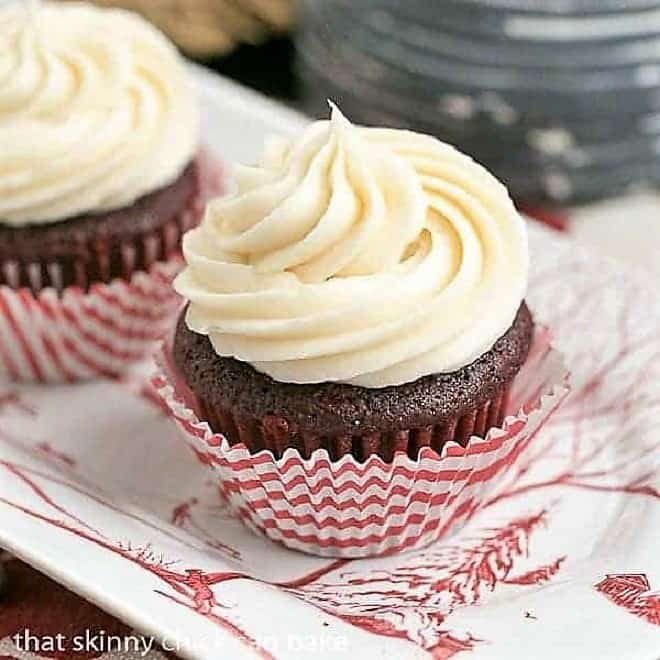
101,173
361,292
357,363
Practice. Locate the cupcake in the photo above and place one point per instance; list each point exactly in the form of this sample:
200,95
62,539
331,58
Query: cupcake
361,291
101,173
353,340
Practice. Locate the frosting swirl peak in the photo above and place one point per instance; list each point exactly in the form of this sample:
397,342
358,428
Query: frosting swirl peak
359,255
95,111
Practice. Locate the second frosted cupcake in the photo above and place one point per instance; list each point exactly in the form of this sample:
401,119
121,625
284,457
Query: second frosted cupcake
101,173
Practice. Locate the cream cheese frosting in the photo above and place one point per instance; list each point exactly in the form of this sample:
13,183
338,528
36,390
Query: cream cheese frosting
359,255
95,111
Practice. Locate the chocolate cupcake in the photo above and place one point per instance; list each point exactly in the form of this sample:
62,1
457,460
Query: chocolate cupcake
361,292
356,362
101,174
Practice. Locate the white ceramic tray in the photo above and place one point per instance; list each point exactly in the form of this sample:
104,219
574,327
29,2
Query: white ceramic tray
97,491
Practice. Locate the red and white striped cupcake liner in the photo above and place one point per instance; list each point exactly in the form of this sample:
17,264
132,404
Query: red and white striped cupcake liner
346,508
80,333
76,335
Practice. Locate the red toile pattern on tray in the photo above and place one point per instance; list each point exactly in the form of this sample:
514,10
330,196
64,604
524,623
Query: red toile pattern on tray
99,471
633,592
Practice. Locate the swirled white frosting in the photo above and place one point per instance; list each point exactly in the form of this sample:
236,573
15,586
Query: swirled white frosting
359,255
95,111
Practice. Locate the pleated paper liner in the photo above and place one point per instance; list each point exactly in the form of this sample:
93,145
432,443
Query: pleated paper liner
350,508
98,329
276,435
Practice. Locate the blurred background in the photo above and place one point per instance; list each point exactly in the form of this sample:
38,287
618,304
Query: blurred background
560,98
